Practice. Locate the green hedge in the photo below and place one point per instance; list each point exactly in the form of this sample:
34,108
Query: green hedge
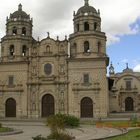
70,120
39,137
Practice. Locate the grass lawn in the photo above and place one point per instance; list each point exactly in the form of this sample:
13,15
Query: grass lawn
131,135
5,129
116,124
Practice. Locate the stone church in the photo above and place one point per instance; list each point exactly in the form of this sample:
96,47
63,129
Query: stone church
124,90
40,78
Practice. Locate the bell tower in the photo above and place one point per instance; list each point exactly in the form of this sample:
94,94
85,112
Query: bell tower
87,64
18,38
87,40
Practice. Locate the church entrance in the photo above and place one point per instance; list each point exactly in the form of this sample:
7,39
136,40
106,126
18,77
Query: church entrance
47,105
86,108
129,104
10,108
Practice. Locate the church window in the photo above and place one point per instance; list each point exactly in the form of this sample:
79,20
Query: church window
12,49
73,50
77,27
99,47
48,49
24,50
48,69
86,78
23,31
128,85
86,26
95,25
14,31
11,81
62,48
86,47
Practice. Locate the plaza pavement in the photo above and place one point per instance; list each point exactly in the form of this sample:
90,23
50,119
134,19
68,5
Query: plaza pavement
32,129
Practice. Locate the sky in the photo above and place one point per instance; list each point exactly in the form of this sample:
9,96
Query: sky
120,22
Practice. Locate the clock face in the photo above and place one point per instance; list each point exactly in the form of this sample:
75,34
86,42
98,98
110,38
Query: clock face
48,69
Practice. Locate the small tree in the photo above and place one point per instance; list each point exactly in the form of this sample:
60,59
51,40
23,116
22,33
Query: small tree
56,124
57,127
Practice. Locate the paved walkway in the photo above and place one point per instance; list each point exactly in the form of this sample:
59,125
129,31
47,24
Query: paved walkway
31,129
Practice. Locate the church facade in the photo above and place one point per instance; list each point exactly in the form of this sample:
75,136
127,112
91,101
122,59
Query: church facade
40,78
124,91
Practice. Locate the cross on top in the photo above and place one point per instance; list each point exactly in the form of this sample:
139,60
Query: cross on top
86,2
127,65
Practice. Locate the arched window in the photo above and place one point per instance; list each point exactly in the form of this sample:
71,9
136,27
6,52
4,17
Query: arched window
95,25
77,27
48,69
11,80
86,78
86,47
11,50
99,47
23,31
14,31
86,26
73,50
24,50
48,49
62,48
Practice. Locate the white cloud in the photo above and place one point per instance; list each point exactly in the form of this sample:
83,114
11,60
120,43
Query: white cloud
124,61
137,68
118,17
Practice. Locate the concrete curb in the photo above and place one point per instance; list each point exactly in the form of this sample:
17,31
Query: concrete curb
14,132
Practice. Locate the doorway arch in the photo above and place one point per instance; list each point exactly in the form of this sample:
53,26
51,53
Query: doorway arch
47,105
129,104
86,108
10,108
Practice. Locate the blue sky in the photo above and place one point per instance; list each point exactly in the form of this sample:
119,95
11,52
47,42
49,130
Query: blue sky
120,22
127,50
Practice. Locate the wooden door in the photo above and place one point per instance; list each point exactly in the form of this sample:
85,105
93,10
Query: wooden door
10,108
86,108
47,105
129,104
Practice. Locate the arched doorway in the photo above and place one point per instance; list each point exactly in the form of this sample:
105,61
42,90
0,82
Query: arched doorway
129,104
47,105
86,108
10,108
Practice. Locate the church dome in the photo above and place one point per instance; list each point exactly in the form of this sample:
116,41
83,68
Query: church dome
86,8
19,13
127,70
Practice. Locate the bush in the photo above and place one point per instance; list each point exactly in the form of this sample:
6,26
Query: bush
133,121
69,120
72,121
57,124
39,137
0,125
